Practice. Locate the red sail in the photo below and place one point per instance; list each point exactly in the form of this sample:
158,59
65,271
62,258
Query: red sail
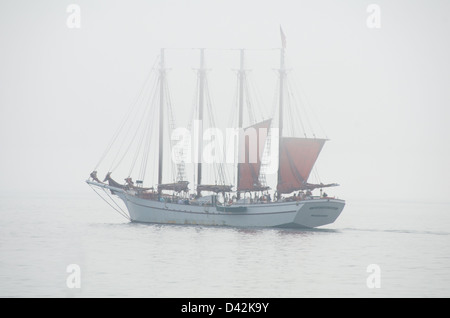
250,153
297,158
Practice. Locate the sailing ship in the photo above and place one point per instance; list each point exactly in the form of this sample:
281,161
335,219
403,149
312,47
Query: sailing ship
248,202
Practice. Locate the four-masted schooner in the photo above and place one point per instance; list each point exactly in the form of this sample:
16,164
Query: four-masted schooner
170,203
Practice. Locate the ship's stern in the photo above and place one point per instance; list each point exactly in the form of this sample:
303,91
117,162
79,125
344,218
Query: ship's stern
315,213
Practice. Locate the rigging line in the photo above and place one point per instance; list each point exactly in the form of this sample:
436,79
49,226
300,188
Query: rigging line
194,115
146,151
316,175
129,130
275,100
178,156
287,113
131,108
138,150
114,201
234,106
195,102
188,142
125,216
291,117
251,109
134,136
171,126
257,95
150,126
232,123
218,165
144,105
248,102
253,94
211,120
265,159
222,168
291,90
308,106
139,144
295,113
130,111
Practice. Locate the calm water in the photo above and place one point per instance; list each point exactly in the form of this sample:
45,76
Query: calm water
41,235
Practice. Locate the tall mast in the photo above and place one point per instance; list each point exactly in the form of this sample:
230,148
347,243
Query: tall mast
241,89
282,72
202,72
162,75
241,108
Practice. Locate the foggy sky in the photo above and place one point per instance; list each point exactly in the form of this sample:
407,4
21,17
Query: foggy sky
382,95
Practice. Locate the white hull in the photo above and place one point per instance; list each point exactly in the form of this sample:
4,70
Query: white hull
307,214
298,214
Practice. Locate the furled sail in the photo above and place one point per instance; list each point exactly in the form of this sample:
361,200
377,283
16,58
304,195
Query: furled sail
297,158
177,187
214,188
250,153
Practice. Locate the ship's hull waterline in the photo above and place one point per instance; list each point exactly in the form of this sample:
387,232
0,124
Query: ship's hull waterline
294,214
